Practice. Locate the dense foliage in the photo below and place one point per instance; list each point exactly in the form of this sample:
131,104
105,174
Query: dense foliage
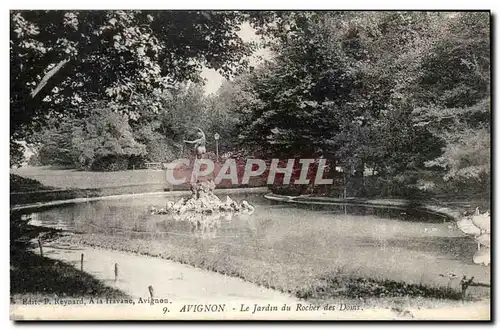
403,94
61,60
101,140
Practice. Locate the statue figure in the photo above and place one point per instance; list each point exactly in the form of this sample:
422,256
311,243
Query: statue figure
199,144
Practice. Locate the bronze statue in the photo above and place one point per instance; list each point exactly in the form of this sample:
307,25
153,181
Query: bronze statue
199,144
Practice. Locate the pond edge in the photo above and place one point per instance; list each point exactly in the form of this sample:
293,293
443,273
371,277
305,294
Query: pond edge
453,214
41,205
400,204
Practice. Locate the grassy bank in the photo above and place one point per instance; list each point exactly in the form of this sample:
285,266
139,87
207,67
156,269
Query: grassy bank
33,276
73,179
43,184
308,279
36,277
40,196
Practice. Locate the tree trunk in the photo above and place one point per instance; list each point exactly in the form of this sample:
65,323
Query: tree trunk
359,174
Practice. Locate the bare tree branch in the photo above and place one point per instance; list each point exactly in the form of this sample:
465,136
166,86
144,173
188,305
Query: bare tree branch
47,76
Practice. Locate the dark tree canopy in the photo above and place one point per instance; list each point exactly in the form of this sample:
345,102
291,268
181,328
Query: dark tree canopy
400,92
63,59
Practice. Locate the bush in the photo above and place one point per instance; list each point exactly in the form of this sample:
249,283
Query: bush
402,186
110,163
34,160
290,190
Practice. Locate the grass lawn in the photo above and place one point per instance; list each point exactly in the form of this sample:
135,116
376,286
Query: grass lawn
41,184
309,279
73,179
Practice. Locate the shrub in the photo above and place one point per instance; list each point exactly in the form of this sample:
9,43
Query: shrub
110,163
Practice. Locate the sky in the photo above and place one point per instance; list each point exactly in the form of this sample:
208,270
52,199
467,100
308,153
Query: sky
214,80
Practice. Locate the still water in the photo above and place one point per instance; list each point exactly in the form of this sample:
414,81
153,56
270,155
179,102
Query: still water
400,245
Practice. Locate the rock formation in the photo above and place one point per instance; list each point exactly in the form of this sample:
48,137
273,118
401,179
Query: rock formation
204,200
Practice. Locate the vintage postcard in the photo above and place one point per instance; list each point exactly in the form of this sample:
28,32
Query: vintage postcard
250,165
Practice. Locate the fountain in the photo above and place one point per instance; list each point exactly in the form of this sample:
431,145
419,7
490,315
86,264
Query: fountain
203,200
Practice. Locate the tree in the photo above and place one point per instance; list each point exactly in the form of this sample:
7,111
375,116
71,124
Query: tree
455,85
16,153
227,111
162,132
456,70
63,59
345,85
56,147
335,74
102,140
180,110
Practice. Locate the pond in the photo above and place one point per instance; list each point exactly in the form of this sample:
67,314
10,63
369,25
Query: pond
379,243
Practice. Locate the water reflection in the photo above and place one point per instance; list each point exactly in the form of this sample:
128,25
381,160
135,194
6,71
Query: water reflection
132,219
